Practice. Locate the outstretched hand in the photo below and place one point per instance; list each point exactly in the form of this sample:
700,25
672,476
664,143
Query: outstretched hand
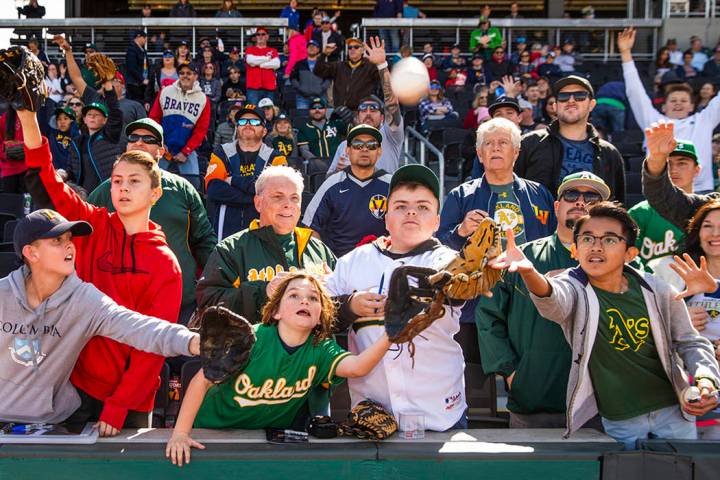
697,278
512,259
660,139
510,85
62,43
375,50
626,39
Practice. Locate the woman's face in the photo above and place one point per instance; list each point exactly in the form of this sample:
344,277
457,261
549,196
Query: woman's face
168,62
664,55
710,234
284,127
707,91
52,71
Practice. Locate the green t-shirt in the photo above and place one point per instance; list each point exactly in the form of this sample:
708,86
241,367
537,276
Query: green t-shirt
508,213
273,387
658,237
284,145
626,372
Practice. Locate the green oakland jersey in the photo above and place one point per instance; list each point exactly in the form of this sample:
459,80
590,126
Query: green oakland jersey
658,237
274,386
626,372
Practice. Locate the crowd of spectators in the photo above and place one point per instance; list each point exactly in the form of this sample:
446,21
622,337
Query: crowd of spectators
292,160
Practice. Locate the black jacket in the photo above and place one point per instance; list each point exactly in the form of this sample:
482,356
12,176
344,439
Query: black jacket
351,84
541,157
335,38
135,61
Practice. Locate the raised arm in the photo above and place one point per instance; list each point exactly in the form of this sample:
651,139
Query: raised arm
73,68
375,52
360,365
640,103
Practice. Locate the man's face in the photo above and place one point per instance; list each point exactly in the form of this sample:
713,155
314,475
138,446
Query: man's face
249,132
717,54
497,152
568,210
682,171
508,113
205,44
514,8
183,50
52,255
678,105
412,216
600,260
261,38
63,122
279,205
543,86
293,3
428,48
187,77
355,51
317,113
234,56
76,104
455,52
370,112
94,119
696,45
312,50
573,110
141,41
326,26
532,93
364,151
146,11
152,146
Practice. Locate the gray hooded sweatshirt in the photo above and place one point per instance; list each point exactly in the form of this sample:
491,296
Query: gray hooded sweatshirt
39,348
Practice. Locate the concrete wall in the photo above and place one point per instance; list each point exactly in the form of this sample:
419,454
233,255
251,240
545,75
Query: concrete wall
683,28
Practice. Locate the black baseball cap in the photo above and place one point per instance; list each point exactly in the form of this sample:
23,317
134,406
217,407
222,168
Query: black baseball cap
573,80
185,65
250,108
415,172
146,124
504,102
45,223
364,129
374,99
318,101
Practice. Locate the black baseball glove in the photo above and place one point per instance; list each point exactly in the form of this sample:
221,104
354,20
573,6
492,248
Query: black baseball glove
226,342
21,79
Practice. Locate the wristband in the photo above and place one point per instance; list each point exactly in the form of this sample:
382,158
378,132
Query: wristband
382,65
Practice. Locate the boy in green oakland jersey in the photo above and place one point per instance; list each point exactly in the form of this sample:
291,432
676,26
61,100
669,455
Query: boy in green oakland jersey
658,237
293,353
633,346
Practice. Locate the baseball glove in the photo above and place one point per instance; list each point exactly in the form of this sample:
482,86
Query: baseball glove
102,66
368,420
226,342
468,276
22,79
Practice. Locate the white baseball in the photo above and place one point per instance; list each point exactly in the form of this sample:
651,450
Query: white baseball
410,81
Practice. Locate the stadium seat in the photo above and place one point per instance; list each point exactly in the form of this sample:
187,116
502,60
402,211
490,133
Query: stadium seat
8,263
632,199
7,247
453,142
633,182
634,164
188,371
9,230
162,397
306,199
4,219
12,203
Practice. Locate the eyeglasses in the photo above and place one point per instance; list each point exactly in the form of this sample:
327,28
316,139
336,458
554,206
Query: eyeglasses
75,104
586,240
353,47
373,107
370,145
574,196
255,122
563,97
146,139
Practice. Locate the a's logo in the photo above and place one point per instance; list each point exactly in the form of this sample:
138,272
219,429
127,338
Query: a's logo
378,206
508,215
23,351
627,333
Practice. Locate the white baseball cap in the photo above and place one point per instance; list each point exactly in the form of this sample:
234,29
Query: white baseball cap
265,103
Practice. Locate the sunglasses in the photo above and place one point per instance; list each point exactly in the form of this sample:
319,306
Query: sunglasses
574,195
255,122
370,145
373,107
146,139
353,47
578,96
317,107
261,34
75,104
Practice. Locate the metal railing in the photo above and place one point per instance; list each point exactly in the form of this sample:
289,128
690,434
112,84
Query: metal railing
424,143
599,33
113,34
683,9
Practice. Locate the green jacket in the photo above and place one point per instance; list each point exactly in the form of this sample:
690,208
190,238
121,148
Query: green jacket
181,214
322,143
658,237
493,33
241,266
513,337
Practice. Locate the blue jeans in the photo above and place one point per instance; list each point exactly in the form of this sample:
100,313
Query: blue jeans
255,95
302,103
392,39
608,118
664,423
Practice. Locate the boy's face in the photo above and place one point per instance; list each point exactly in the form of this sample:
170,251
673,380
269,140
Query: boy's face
94,119
131,190
52,255
678,105
300,306
63,122
412,216
682,171
599,259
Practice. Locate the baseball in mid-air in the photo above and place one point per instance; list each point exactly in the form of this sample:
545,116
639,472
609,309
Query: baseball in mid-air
410,81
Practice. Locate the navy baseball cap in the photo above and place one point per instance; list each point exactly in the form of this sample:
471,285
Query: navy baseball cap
313,42
505,102
250,108
45,223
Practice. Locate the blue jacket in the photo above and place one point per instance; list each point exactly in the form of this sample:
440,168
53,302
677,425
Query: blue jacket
536,204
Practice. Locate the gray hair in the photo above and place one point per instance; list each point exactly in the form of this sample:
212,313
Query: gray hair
498,124
279,171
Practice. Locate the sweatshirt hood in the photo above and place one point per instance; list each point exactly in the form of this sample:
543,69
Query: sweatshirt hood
133,253
55,301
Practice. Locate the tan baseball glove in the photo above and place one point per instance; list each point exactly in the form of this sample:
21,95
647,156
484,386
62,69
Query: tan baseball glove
102,66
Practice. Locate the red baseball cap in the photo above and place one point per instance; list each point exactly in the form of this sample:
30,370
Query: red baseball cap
120,77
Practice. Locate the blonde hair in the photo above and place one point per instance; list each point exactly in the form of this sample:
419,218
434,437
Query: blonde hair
145,160
328,310
275,133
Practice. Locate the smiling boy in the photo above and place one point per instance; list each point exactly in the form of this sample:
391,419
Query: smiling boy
630,325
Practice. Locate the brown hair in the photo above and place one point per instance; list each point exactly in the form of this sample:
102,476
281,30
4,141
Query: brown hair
411,186
679,87
612,210
328,310
692,240
145,160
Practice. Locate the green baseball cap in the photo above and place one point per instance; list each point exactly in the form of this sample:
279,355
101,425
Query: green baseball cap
66,111
585,179
685,148
97,106
416,173
146,124
364,129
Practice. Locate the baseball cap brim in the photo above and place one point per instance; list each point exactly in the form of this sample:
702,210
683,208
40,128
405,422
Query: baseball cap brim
253,111
95,106
78,228
416,173
364,130
573,80
596,185
505,103
146,124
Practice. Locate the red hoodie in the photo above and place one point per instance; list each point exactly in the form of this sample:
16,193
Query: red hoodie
139,272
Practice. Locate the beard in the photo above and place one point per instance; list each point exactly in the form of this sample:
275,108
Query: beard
570,223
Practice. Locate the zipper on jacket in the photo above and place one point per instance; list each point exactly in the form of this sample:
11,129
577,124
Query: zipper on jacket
580,375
